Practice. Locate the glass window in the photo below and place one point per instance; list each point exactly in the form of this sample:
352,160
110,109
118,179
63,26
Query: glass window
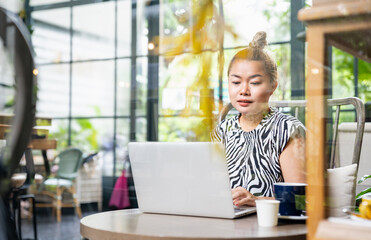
122,140
342,74
180,85
94,31
141,129
59,131
122,131
7,90
270,16
142,28
92,88
124,28
53,90
182,129
123,87
51,35
176,17
364,83
281,53
142,83
92,135
41,2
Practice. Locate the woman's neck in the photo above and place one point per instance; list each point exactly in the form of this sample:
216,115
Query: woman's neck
249,122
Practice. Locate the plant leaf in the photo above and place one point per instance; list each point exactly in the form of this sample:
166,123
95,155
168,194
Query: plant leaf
359,195
363,178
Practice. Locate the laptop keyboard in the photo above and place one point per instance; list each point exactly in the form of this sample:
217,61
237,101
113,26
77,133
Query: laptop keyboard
237,209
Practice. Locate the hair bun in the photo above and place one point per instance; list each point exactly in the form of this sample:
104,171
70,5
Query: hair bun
259,40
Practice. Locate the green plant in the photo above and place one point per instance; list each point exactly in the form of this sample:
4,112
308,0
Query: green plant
361,194
83,135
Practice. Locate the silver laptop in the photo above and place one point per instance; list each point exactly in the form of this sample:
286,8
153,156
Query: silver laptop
188,178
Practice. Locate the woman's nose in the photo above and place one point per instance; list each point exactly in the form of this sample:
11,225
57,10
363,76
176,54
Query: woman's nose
245,90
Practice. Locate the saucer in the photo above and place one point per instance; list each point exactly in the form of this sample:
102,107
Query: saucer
301,217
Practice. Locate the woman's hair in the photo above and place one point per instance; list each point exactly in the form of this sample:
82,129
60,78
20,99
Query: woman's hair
255,52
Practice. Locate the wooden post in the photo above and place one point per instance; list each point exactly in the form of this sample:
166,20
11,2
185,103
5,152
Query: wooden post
315,138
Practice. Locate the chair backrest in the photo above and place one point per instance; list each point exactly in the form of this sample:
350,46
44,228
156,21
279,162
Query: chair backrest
297,104
69,163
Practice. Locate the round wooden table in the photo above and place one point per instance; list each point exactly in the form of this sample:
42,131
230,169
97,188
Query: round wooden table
133,224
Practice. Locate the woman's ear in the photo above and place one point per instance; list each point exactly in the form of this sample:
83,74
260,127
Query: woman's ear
274,86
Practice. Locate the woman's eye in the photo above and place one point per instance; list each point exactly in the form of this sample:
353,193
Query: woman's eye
255,83
235,82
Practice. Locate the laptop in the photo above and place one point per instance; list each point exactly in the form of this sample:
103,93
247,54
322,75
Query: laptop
188,178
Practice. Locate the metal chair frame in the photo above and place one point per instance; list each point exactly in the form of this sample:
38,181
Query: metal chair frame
297,104
14,34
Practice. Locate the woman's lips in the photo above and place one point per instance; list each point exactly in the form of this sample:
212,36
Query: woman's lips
244,103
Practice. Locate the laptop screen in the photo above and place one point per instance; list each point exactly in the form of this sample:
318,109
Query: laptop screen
189,178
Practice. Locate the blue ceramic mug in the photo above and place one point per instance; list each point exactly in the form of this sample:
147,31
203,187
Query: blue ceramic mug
291,197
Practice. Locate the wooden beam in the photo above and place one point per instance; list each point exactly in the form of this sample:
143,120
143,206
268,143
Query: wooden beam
315,134
343,231
43,144
335,10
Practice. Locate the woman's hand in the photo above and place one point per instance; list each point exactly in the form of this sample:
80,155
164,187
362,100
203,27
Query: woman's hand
242,197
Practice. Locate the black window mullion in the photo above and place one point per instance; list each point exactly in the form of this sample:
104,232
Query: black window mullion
70,80
133,81
355,72
115,97
297,52
152,14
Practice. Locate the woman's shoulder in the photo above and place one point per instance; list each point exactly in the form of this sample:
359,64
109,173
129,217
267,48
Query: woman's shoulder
229,123
281,118
223,127
287,124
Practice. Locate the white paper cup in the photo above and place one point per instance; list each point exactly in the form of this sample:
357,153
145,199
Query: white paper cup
267,211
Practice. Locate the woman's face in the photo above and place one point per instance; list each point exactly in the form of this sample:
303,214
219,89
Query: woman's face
249,87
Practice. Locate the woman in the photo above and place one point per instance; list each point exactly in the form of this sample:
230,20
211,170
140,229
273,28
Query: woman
263,146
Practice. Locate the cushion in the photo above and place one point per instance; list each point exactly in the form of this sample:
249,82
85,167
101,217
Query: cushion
52,183
341,189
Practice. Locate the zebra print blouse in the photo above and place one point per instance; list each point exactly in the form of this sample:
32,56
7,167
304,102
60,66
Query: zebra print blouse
253,157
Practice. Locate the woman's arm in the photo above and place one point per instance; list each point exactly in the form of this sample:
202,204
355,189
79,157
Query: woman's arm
292,161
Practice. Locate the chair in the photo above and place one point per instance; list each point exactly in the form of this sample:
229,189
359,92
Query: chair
341,180
20,183
56,189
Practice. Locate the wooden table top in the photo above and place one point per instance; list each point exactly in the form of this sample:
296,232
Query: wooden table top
133,224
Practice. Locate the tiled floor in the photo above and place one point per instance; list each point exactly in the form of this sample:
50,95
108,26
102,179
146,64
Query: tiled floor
49,229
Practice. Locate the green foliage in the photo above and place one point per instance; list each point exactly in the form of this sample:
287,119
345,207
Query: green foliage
281,54
367,190
9,103
360,195
179,129
343,76
364,80
283,17
199,30
364,178
83,135
60,134
343,79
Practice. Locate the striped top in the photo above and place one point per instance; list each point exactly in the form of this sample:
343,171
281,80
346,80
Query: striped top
253,157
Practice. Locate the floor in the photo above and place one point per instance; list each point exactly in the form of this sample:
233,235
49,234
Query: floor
49,229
